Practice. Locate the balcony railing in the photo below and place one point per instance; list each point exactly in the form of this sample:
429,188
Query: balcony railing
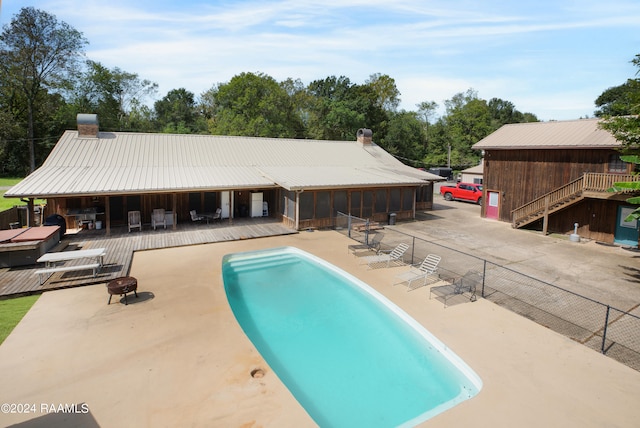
569,193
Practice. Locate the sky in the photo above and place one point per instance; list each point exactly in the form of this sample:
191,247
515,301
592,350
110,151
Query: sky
552,58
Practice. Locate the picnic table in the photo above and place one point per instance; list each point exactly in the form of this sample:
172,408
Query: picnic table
50,259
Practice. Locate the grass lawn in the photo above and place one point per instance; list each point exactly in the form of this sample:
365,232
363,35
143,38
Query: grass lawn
12,311
5,204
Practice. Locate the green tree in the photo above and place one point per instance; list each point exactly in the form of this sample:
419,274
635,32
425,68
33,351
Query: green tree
339,108
468,120
626,129
176,112
253,105
426,111
387,95
38,55
405,137
112,94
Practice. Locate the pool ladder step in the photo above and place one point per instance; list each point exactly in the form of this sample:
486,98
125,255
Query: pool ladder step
253,263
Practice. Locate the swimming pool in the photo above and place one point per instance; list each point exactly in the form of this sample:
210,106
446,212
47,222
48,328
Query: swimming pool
348,355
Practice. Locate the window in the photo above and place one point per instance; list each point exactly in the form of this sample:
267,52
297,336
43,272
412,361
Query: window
323,205
289,204
210,202
616,164
340,202
394,202
407,199
355,203
367,204
194,202
381,201
306,206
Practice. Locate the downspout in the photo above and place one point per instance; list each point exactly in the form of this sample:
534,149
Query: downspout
297,211
29,202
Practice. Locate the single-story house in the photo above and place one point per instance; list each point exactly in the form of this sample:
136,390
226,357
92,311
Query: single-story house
554,175
473,174
92,176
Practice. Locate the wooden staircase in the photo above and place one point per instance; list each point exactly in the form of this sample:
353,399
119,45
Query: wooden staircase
565,196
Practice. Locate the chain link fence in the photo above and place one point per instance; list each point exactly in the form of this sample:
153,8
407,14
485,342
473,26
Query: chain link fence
608,330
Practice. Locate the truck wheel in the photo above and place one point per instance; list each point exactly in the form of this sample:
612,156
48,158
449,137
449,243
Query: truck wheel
448,196
480,201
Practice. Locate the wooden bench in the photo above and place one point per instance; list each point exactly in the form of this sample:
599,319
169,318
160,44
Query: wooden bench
51,270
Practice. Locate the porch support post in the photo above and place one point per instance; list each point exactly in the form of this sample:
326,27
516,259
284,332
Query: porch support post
107,215
297,209
30,214
545,220
173,210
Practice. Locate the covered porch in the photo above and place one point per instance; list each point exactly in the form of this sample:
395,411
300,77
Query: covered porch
120,246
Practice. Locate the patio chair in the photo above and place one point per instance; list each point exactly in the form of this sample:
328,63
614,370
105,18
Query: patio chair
217,215
195,216
417,277
373,245
465,285
135,220
158,218
386,257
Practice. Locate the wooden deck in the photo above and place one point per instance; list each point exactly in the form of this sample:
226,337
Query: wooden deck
120,246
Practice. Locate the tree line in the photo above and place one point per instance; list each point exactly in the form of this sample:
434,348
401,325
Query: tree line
45,80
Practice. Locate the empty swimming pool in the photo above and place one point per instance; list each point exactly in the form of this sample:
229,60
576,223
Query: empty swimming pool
349,355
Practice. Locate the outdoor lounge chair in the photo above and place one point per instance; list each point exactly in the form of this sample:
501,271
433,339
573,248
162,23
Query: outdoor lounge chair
386,257
417,276
373,245
464,286
158,218
217,215
135,220
195,216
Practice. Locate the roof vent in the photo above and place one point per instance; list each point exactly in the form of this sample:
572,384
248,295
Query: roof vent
87,125
364,136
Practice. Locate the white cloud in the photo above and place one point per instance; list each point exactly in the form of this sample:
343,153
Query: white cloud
550,58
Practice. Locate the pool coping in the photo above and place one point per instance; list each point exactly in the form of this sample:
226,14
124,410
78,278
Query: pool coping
128,362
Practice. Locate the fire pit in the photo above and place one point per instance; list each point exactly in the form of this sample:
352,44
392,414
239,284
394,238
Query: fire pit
122,285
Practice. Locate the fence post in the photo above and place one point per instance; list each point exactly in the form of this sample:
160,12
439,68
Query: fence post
349,225
604,330
366,232
484,275
413,249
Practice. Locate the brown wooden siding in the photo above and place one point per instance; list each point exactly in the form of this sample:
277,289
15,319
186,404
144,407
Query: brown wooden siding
596,220
524,175
361,203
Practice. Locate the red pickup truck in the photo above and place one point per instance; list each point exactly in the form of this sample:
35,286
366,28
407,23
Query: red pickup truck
464,192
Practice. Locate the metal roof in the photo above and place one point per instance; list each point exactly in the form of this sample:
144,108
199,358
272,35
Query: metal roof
478,169
130,163
573,134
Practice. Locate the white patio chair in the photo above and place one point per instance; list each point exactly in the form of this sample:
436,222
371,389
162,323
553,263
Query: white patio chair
417,276
385,257
195,216
158,218
134,220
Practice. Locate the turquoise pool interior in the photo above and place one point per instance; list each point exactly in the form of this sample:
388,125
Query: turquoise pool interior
348,355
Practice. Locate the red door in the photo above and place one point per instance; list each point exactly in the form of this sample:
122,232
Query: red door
493,205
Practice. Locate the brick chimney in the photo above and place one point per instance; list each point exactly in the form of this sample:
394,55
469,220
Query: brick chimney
364,136
87,125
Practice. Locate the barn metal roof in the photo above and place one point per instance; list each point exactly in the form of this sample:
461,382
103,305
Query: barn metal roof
130,163
573,134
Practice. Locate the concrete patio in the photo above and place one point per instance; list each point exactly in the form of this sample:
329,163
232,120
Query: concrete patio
176,356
